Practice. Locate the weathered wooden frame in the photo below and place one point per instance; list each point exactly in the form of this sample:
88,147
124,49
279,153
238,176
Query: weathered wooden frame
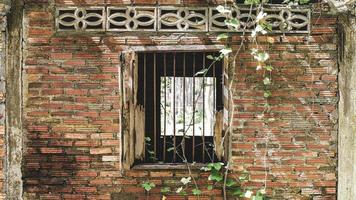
132,115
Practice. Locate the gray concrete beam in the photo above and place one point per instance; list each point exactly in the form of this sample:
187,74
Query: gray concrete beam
14,133
347,109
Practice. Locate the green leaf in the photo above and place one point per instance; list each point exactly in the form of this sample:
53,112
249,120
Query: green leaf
185,181
266,105
210,57
267,94
225,51
210,187
205,169
179,190
233,23
252,2
262,56
215,177
242,178
266,26
218,166
268,68
210,166
222,36
248,194
147,139
170,149
148,186
165,189
196,191
237,192
258,197
303,1
266,81
222,9
183,193
203,71
230,182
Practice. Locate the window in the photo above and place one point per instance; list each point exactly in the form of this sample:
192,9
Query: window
182,95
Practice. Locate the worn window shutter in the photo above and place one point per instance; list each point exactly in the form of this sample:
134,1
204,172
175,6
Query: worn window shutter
220,139
218,135
132,115
228,71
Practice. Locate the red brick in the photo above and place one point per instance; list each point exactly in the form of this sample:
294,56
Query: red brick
61,56
51,150
85,189
86,174
100,150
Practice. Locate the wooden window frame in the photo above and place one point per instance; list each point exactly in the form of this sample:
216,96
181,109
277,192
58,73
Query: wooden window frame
132,115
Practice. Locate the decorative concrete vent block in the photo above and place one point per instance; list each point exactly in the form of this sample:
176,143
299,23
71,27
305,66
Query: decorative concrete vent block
80,19
281,19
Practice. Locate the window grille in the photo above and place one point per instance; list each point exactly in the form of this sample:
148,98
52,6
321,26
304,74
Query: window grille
181,93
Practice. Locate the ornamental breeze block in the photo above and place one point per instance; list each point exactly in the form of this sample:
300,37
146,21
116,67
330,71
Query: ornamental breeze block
178,19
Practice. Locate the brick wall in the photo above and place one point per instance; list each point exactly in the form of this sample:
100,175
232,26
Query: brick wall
71,113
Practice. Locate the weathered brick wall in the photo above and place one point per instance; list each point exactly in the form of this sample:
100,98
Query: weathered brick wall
302,132
71,112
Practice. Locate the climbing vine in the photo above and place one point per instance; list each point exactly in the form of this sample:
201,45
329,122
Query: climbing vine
220,175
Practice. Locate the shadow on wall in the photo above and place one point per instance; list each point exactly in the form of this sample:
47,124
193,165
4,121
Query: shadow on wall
71,116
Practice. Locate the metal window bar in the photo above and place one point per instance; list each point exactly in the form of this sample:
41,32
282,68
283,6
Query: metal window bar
184,129
165,105
171,78
203,149
214,92
144,78
174,108
155,103
193,143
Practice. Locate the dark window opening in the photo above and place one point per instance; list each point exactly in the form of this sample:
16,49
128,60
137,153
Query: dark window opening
181,93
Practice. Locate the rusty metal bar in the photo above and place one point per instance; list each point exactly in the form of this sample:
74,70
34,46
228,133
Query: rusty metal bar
144,86
214,96
214,87
193,143
204,109
174,107
165,105
144,79
155,102
183,145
